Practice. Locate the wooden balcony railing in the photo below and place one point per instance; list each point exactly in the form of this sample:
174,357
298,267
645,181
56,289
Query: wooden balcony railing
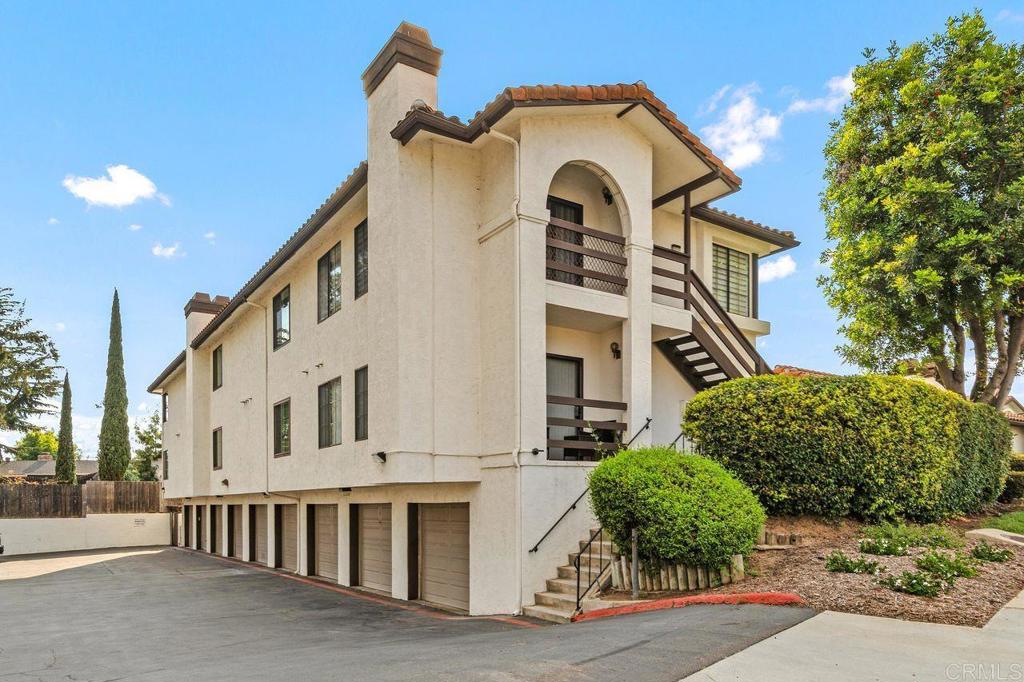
586,257
673,277
581,434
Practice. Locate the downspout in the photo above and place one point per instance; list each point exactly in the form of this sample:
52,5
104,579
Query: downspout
266,397
516,464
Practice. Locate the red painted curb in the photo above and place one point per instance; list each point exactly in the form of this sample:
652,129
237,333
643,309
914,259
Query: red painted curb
769,598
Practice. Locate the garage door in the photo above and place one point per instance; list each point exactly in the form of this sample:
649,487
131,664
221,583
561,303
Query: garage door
444,554
326,517
200,531
375,546
289,534
215,528
236,530
261,534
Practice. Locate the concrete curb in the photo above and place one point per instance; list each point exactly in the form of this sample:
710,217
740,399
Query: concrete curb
767,598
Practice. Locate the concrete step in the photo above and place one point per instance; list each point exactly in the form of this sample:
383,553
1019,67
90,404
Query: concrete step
564,585
595,547
559,600
547,613
590,561
569,571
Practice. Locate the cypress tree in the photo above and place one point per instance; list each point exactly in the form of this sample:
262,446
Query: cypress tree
65,444
114,450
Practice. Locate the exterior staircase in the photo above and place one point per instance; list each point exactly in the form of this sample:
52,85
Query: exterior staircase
558,602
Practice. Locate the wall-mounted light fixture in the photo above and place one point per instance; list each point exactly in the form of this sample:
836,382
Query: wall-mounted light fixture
607,194
616,350
380,457
224,482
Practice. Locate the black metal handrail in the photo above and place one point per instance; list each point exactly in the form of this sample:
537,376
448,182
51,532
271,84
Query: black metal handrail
583,494
593,575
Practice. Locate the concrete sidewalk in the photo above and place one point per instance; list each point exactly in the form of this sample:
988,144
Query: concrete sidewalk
841,646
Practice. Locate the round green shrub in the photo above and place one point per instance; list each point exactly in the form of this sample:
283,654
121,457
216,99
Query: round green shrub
875,447
1014,489
687,509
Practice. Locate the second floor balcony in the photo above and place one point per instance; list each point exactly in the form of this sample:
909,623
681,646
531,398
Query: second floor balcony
585,257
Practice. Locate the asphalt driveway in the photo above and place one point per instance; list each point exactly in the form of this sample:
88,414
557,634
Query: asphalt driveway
168,614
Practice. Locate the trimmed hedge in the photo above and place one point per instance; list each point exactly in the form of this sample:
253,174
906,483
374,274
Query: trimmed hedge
687,509
1014,489
875,447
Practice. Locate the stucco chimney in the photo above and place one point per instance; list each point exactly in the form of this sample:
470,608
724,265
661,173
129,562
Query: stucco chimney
404,71
199,310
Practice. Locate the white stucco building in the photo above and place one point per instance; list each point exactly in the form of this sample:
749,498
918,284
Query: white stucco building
413,389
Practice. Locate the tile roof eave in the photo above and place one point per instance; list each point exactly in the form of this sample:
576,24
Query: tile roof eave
338,200
716,216
550,95
168,371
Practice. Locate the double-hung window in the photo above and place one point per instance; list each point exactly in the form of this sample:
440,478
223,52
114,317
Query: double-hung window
282,318
283,428
218,448
362,396
328,283
731,279
218,367
362,265
329,413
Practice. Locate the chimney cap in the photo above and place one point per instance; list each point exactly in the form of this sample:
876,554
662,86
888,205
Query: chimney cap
409,45
201,303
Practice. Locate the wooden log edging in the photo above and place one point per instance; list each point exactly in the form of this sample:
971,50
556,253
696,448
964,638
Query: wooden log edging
676,577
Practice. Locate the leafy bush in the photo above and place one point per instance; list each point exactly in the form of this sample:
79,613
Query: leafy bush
874,447
686,508
1014,489
931,535
946,567
883,547
913,582
986,552
838,562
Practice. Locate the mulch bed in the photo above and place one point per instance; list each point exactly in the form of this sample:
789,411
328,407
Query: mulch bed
972,601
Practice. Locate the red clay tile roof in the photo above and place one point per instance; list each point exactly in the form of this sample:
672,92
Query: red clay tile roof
543,95
1014,418
791,371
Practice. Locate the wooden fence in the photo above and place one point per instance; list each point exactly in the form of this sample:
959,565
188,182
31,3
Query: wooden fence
20,501
27,501
121,497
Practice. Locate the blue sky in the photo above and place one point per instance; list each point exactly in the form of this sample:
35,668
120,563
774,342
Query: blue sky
233,122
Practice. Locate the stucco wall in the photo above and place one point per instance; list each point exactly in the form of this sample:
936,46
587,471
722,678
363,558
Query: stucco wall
95,531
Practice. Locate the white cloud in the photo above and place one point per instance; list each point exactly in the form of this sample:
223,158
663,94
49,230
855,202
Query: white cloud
210,237
122,186
839,89
712,103
135,227
60,326
85,430
1010,15
52,221
161,251
142,407
743,130
781,267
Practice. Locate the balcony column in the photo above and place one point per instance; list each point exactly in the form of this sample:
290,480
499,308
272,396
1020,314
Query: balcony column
636,340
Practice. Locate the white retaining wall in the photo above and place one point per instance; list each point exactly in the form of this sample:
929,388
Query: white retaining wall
95,531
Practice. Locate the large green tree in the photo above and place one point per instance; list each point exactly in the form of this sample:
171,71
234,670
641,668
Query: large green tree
66,455
28,367
923,204
149,438
35,442
114,449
